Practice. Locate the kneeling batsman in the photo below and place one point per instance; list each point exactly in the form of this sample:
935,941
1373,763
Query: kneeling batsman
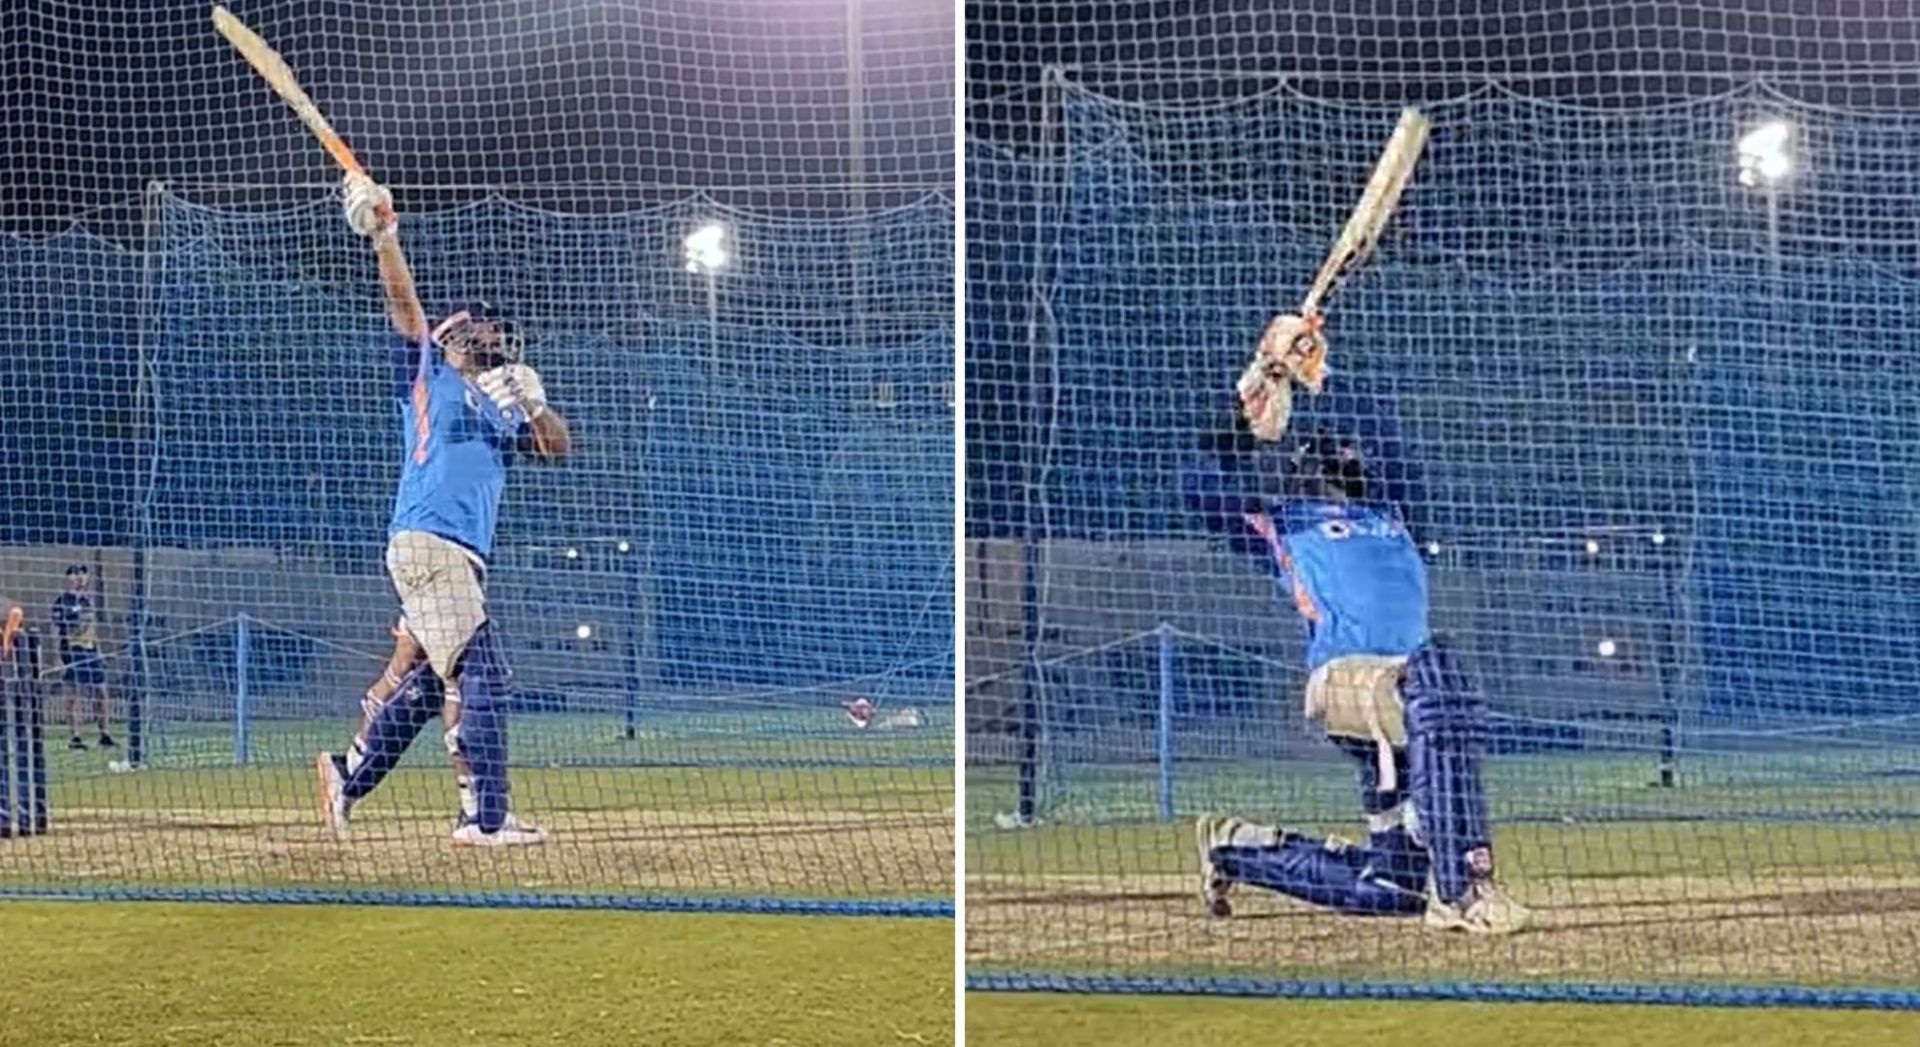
1390,695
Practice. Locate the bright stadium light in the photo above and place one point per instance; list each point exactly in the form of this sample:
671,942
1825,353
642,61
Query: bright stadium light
584,632
708,249
1766,154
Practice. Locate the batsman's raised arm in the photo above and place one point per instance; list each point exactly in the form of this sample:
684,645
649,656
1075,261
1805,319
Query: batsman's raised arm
548,438
369,208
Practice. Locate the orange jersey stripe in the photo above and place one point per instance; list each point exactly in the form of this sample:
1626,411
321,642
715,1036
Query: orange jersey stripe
1302,600
422,428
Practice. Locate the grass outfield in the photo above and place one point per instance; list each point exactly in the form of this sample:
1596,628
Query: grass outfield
1632,884
267,976
1005,1020
787,831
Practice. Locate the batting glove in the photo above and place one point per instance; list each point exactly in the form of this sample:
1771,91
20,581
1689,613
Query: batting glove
1266,398
1294,344
514,387
369,205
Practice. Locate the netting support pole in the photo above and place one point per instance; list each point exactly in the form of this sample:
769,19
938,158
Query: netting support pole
141,530
857,171
1773,237
1037,452
635,596
1035,523
1667,669
1029,798
242,655
1163,735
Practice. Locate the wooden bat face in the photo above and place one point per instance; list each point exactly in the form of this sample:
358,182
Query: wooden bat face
1377,204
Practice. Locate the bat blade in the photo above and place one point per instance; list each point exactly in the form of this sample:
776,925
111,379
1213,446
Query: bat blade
1369,219
273,69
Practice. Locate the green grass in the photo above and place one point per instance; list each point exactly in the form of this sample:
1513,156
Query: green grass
1618,850
791,831
1732,877
427,790
265,976
1582,787
764,737
1007,1020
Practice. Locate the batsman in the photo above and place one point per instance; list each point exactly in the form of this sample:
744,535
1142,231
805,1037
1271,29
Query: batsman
1387,693
467,407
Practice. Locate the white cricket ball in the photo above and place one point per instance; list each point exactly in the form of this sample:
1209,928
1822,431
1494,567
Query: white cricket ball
1607,648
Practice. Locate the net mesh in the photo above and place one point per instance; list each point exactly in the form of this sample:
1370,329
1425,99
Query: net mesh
754,529
1664,424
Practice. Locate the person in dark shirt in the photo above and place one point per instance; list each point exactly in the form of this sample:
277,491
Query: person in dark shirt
76,623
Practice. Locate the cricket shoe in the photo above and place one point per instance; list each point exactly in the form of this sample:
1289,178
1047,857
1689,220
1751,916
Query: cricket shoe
512,833
1487,908
334,805
1210,833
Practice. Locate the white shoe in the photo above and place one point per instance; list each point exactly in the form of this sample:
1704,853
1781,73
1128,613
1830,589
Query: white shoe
335,808
1210,832
1486,909
512,833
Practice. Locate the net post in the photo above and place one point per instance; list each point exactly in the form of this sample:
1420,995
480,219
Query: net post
137,654
242,655
1028,804
1666,663
634,596
23,792
35,788
1036,525
11,734
143,405
1164,734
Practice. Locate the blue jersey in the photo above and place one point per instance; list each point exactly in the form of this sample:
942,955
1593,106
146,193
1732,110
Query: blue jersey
1350,568
457,445
1353,573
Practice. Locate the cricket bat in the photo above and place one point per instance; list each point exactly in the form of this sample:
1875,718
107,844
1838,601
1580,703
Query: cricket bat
272,68
1377,204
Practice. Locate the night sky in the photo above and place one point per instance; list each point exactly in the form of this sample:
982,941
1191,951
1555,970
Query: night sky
1595,51
745,99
